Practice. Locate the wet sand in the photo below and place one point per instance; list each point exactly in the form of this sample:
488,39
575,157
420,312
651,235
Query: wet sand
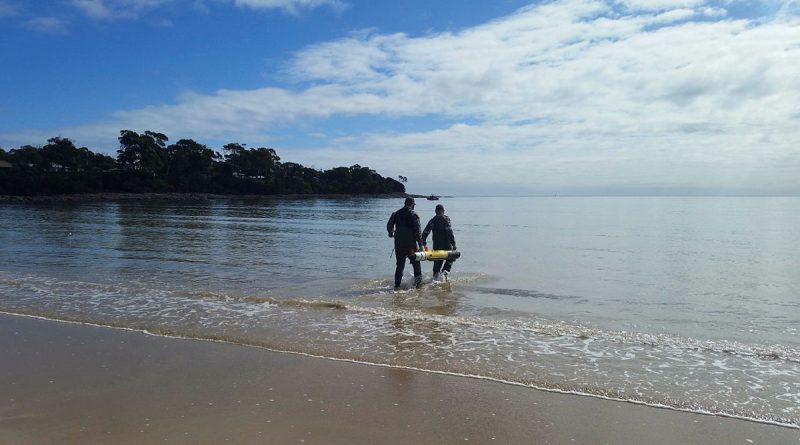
73,384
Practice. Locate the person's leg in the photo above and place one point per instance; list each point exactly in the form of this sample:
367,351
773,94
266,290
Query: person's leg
448,265
417,272
398,271
437,266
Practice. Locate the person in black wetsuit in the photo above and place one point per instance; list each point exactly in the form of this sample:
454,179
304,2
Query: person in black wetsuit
404,226
443,239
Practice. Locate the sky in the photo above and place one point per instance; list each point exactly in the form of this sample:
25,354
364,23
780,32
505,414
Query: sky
463,97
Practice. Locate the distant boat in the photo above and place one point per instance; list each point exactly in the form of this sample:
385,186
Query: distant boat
432,198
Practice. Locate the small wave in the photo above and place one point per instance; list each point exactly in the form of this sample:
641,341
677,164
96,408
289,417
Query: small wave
298,302
379,289
392,329
204,295
253,299
261,300
524,293
553,328
563,388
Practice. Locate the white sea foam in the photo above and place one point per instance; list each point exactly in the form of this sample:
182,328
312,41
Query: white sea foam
758,382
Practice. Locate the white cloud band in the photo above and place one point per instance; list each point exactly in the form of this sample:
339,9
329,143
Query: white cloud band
572,90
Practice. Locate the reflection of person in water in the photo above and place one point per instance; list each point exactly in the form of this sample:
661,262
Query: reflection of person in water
404,226
443,239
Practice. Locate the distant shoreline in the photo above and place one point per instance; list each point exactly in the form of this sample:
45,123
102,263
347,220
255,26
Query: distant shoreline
101,197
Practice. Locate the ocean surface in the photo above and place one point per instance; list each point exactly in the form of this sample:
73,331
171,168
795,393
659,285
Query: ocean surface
685,303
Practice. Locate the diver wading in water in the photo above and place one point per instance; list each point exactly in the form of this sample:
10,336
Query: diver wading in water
404,227
443,239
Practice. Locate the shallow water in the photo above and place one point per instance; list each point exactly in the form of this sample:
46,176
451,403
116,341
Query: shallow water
689,303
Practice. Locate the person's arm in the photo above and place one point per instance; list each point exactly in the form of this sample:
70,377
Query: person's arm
390,224
426,232
450,234
417,231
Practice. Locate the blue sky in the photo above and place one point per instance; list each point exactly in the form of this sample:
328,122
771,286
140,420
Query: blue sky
462,97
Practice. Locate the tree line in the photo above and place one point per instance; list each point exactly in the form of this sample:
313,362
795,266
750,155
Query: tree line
146,163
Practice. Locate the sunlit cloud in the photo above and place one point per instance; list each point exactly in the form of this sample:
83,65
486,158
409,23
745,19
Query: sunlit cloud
117,9
659,5
49,25
127,9
95,9
567,94
291,6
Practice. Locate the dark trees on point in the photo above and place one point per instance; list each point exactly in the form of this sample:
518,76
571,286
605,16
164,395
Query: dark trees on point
146,164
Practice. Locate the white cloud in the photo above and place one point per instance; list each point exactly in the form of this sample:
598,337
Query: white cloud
7,9
659,5
117,9
712,12
291,6
673,16
95,9
127,9
565,94
50,25
789,8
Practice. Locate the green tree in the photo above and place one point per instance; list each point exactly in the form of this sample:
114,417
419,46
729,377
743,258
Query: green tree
100,162
61,154
254,163
264,162
147,164
236,157
336,180
295,178
28,156
365,180
190,164
145,153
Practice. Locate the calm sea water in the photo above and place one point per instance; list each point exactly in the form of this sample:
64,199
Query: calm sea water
688,303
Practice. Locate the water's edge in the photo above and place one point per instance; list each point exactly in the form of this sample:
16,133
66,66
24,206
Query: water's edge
383,365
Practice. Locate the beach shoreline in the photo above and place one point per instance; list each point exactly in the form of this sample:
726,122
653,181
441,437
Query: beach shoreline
73,383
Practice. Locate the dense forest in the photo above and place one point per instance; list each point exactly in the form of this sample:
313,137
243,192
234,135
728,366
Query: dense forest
147,163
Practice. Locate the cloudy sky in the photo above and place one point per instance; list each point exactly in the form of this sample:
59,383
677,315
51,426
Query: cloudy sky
460,96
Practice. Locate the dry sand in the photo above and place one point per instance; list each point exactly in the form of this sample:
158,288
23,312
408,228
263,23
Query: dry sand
73,384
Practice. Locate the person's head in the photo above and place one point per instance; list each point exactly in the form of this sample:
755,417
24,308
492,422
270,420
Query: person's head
410,202
439,209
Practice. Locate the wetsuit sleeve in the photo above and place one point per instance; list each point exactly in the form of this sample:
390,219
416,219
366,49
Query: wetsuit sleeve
427,231
450,234
417,231
390,224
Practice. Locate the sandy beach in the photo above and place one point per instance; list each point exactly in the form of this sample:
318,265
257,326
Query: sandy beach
66,383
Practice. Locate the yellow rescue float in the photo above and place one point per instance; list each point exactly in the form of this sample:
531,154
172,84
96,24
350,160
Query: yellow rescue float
434,255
